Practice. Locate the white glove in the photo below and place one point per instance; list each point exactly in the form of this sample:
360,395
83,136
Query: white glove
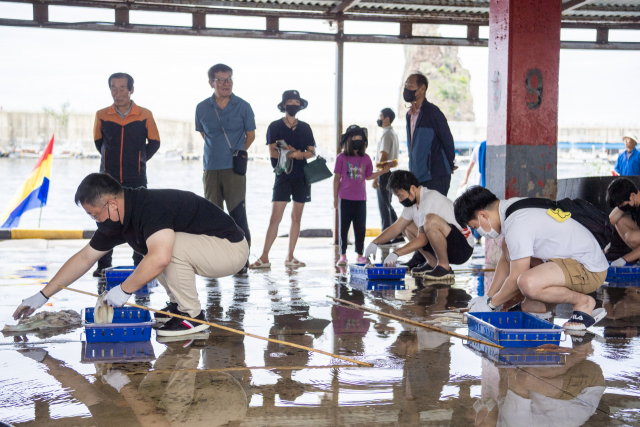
371,250
116,297
620,262
480,305
116,379
475,300
391,260
29,305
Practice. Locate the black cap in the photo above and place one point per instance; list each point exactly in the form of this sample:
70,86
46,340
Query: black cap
292,94
354,130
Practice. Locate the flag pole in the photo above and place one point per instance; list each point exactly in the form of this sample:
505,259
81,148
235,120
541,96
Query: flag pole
40,217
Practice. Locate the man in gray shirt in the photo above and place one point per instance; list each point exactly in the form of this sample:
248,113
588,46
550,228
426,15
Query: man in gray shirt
387,150
226,122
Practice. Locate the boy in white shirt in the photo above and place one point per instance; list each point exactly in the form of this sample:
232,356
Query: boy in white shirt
546,260
428,221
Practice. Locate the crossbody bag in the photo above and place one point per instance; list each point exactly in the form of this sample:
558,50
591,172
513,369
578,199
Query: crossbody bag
240,157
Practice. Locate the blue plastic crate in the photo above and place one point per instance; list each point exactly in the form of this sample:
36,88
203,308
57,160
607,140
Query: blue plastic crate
142,291
129,324
377,272
514,357
614,284
376,285
121,352
118,274
626,274
515,329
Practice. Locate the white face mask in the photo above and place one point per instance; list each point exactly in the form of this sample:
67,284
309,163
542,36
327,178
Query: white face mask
491,234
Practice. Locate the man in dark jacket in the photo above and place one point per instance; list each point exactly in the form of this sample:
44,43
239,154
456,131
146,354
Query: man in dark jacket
126,137
431,149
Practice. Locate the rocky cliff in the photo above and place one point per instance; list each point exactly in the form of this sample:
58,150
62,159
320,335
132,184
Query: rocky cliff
448,81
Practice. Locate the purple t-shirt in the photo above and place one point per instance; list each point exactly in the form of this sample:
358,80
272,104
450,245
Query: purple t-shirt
353,171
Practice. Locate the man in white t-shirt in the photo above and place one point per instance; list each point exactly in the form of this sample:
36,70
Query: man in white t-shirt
429,223
566,395
387,150
546,260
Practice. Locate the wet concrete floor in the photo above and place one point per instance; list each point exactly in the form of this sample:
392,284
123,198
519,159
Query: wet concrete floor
420,378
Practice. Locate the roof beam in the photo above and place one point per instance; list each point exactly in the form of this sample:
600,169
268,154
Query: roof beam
574,4
344,5
289,35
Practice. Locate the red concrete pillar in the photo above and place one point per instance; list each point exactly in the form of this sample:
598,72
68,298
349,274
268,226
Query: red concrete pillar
522,131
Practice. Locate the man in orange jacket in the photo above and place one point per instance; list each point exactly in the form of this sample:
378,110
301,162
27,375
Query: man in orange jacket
126,137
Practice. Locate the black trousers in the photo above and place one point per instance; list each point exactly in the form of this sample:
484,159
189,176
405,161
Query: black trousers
440,184
107,260
352,211
387,213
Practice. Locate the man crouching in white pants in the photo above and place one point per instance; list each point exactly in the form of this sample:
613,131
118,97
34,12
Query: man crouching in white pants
179,233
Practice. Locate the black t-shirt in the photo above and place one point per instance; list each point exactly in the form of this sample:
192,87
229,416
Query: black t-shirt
300,139
149,211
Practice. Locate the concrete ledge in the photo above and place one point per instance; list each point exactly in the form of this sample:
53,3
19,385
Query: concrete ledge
20,233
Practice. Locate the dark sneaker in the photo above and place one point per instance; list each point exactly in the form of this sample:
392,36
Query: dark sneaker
176,326
197,339
98,272
172,307
244,270
439,273
421,269
415,261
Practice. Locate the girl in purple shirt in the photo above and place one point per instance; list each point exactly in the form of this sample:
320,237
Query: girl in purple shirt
353,168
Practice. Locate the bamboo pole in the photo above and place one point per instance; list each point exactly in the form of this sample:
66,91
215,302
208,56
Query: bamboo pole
474,270
414,323
240,368
204,322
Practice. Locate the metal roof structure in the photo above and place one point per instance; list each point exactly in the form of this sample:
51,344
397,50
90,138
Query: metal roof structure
602,15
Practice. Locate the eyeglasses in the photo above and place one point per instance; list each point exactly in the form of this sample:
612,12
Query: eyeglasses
93,217
224,81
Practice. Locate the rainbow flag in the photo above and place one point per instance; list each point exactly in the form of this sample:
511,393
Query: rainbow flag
33,193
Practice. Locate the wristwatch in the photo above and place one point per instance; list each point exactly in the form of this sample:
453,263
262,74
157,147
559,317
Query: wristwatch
491,306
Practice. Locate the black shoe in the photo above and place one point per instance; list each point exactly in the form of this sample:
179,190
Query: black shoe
244,269
172,307
421,269
176,326
99,272
439,273
415,261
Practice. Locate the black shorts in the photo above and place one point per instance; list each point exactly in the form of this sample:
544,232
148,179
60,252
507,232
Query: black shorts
286,189
458,249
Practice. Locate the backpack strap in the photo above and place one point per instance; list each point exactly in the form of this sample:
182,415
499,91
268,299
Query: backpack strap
531,202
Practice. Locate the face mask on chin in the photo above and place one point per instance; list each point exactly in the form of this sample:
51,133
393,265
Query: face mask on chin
109,227
292,110
627,208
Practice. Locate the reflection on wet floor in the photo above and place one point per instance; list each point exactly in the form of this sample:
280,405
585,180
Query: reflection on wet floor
420,378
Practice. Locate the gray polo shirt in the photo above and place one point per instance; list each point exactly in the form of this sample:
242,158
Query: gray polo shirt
236,118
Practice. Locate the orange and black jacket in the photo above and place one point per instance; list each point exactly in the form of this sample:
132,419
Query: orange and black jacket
123,143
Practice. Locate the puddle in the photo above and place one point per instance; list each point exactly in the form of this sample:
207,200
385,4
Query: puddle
420,378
